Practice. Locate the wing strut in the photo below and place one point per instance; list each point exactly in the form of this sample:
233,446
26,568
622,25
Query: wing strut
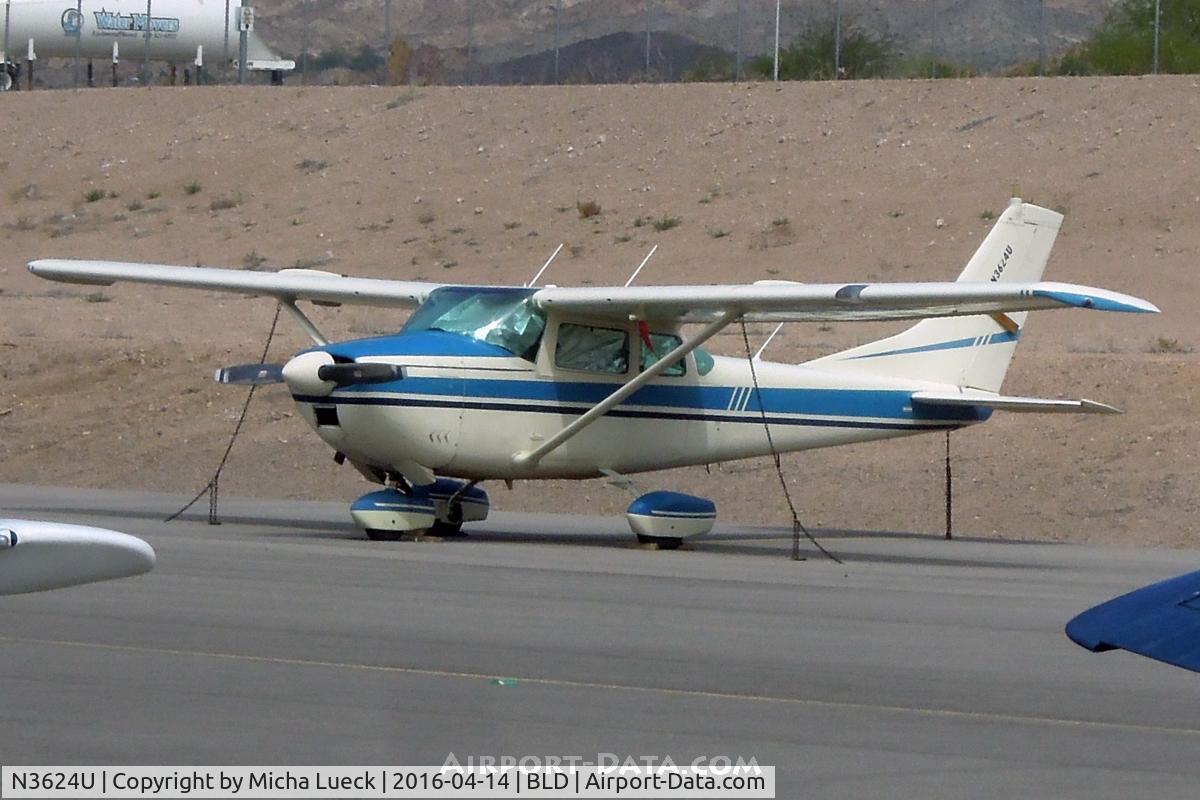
304,322
530,457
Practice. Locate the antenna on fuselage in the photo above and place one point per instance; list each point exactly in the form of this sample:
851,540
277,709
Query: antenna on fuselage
778,328
639,269
553,256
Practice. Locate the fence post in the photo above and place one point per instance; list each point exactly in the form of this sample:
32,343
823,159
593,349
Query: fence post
146,48
777,3
557,37
737,59
647,8
837,39
1157,25
78,41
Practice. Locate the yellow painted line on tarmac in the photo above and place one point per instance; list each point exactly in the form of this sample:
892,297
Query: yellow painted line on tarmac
944,713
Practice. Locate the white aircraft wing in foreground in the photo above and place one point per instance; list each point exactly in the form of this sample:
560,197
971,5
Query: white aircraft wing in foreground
35,556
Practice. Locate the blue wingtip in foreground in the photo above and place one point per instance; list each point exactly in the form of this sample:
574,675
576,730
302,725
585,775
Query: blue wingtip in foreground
1159,621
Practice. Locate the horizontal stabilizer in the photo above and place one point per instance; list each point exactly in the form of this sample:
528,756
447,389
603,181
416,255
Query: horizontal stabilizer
1159,621
1003,403
250,374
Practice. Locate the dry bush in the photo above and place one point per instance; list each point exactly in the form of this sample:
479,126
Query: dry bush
587,208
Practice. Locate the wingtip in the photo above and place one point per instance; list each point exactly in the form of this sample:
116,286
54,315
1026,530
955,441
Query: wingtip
1096,299
1093,407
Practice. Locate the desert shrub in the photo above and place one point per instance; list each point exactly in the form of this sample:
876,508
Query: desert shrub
226,202
1124,44
364,59
1165,345
810,56
710,69
311,165
925,66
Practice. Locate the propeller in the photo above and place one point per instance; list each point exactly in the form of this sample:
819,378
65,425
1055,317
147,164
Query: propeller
250,374
337,374
352,373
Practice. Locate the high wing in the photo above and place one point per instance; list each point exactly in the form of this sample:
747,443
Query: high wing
286,285
756,302
831,302
1159,621
36,556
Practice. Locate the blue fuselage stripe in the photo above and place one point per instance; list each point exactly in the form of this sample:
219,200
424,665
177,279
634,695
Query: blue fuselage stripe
842,408
995,338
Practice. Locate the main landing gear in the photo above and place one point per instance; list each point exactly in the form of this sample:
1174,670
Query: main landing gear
440,509
665,519
658,519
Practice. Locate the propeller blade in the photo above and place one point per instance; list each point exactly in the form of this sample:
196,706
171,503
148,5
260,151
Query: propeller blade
350,374
250,374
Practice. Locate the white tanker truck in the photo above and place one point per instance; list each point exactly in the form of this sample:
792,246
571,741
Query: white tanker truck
201,32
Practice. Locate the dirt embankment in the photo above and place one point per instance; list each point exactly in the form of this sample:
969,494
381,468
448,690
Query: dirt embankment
811,182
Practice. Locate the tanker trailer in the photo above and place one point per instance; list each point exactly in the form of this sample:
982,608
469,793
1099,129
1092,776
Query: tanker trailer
190,31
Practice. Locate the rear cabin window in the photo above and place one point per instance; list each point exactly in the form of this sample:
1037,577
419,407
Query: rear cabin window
584,347
660,345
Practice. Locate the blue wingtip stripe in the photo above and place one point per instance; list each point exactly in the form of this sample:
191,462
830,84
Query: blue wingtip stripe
1076,300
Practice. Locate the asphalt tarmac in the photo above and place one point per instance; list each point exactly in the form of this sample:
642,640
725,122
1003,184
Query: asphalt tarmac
918,667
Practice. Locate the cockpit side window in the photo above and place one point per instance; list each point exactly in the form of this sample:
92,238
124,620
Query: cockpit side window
659,345
704,361
593,349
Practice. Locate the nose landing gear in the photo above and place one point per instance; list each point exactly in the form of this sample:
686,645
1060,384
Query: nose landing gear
439,509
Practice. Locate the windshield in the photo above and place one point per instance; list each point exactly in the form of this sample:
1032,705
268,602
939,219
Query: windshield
507,318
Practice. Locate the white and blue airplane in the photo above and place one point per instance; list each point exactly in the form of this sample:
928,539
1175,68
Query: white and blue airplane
522,383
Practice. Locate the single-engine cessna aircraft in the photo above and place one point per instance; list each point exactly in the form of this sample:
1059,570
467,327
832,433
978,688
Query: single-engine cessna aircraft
36,556
507,383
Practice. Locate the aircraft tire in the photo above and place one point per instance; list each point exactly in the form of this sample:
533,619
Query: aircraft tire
441,528
380,535
661,542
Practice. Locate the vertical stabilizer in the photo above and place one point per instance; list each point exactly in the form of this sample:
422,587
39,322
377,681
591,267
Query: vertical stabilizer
974,351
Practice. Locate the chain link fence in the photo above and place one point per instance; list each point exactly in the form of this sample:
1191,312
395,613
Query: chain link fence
595,41
604,41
